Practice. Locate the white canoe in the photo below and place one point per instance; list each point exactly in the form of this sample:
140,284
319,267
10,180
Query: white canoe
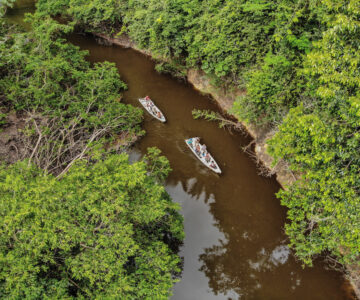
149,109
212,165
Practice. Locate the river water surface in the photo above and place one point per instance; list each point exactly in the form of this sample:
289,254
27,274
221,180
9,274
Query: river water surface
235,246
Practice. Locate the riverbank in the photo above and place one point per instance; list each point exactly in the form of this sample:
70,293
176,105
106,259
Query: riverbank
260,137
225,100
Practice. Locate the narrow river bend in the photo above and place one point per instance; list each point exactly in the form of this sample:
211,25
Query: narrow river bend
235,247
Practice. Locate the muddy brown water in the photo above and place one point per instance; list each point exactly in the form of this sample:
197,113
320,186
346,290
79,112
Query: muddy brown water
235,246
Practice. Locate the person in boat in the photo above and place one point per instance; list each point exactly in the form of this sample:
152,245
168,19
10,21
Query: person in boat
154,110
203,150
196,143
207,157
158,114
197,149
190,142
148,102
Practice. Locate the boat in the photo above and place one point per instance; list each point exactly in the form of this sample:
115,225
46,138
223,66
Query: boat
150,107
212,165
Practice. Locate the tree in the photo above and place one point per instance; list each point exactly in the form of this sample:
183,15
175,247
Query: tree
68,107
105,230
4,4
322,141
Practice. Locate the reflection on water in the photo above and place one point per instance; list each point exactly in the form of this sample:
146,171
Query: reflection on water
246,281
235,247
200,232
228,258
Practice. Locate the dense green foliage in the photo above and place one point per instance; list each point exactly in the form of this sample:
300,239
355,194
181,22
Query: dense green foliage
322,141
104,231
261,42
299,62
103,228
171,68
41,72
69,104
4,5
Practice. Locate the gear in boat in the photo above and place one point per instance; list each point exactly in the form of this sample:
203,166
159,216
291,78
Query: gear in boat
202,154
152,109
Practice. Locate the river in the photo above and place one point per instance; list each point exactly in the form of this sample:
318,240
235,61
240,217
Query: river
235,246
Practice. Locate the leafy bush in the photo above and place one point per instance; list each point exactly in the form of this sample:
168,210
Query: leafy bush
105,230
69,105
171,68
268,92
322,142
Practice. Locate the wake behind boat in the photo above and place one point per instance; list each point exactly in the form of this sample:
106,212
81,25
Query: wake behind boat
152,109
202,154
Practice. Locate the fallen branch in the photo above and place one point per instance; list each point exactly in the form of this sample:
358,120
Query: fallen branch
217,117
